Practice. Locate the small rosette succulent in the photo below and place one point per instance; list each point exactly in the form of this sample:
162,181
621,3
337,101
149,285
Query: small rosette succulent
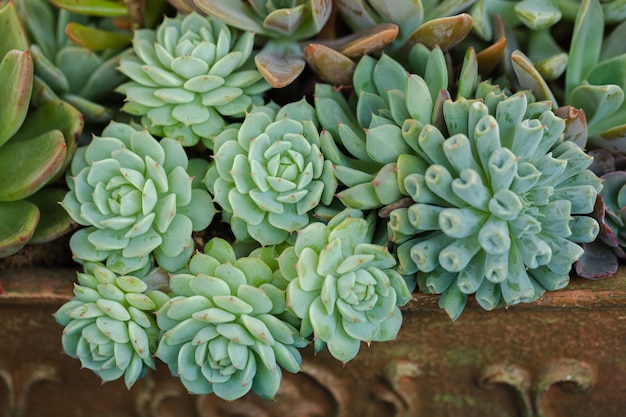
109,324
188,75
497,204
345,289
221,329
269,174
138,199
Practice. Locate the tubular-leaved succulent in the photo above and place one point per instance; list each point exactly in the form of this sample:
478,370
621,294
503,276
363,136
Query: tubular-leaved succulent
497,207
269,174
345,289
138,199
188,75
222,333
109,324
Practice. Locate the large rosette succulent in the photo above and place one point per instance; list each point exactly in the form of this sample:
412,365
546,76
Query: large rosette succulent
345,289
222,331
188,74
269,174
496,205
138,198
109,324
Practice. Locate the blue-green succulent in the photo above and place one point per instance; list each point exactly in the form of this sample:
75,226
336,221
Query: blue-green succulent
222,331
109,324
269,174
138,198
345,288
190,74
497,204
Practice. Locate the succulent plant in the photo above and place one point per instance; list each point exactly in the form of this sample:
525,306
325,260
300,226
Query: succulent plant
124,16
109,324
593,78
269,174
368,129
423,22
34,148
496,208
282,23
64,70
345,289
138,199
188,75
222,333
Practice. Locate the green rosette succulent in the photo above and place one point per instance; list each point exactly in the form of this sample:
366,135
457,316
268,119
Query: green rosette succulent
64,70
188,75
221,329
269,174
345,289
138,199
497,205
109,324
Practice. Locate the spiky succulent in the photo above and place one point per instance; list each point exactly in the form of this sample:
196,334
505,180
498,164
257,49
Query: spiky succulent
138,199
222,333
269,174
369,130
109,324
188,75
345,289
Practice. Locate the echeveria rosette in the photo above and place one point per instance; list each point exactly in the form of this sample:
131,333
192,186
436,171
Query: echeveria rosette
345,289
497,206
221,329
110,325
188,75
269,174
138,199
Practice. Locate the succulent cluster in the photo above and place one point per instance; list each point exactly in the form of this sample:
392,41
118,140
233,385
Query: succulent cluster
109,325
431,150
269,174
188,75
138,199
222,330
